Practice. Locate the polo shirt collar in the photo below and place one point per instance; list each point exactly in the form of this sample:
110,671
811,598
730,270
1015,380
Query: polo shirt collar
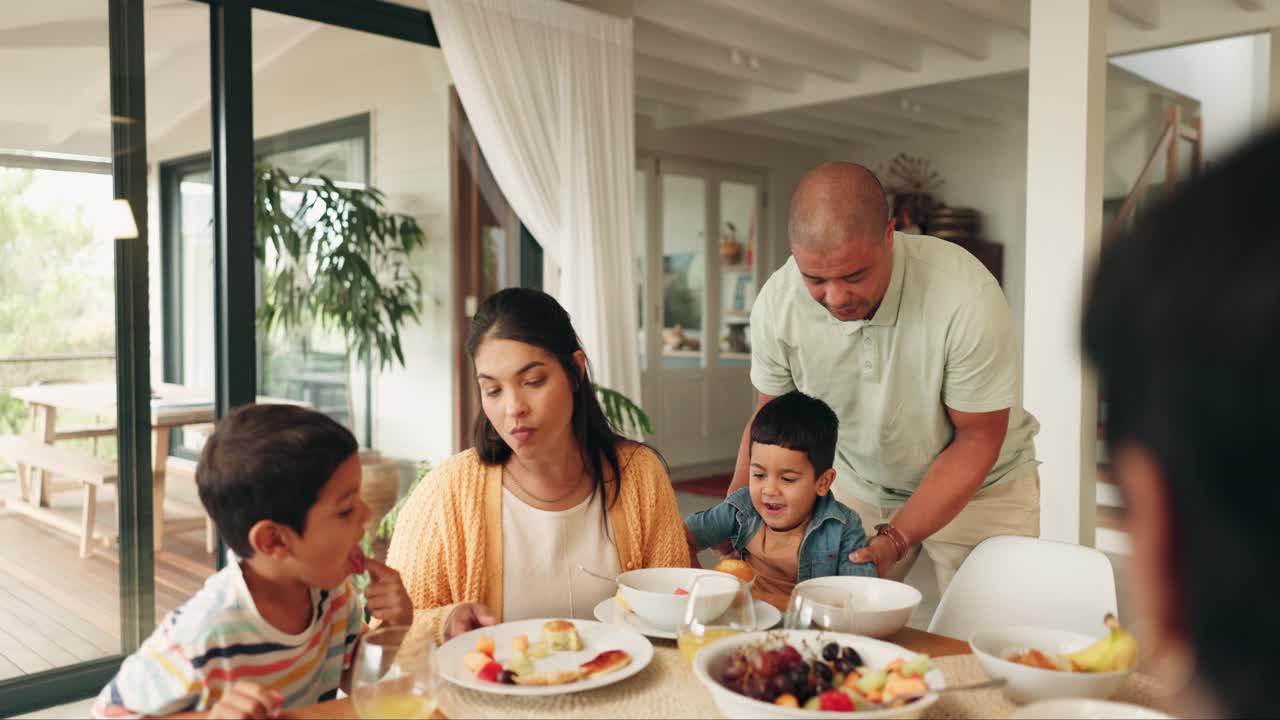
887,313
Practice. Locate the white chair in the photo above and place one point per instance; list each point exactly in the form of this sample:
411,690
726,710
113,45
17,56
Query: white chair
1010,580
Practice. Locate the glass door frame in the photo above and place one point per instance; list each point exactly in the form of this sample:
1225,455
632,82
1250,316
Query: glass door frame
231,79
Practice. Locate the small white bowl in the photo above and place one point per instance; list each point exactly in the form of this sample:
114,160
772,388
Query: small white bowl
708,665
1080,709
1028,684
880,607
651,593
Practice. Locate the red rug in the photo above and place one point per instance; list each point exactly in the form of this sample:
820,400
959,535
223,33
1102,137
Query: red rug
712,485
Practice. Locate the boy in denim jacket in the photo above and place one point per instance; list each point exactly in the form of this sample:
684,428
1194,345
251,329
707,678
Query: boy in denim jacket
786,524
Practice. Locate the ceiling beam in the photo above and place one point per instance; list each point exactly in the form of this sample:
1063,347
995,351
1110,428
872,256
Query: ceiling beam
752,128
957,101
1250,5
669,94
706,22
857,123
860,112
1142,14
938,22
691,79
838,132
1014,14
656,41
831,26
891,108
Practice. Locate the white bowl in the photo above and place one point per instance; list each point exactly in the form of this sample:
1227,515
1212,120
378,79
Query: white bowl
1028,684
880,607
709,663
1080,709
651,594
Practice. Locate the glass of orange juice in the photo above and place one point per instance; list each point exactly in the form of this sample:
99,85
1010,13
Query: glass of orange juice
719,605
393,676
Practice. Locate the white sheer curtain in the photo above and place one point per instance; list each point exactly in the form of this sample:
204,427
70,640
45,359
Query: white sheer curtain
547,87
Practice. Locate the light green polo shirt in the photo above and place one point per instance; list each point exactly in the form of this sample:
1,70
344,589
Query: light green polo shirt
942,337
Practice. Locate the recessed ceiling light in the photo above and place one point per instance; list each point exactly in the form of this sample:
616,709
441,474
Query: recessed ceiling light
735,56
753,62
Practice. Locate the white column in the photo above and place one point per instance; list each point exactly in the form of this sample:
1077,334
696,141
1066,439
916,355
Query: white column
1066,99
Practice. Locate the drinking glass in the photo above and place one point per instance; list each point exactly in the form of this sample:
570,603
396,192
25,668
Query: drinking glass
819,608
718,606
392,678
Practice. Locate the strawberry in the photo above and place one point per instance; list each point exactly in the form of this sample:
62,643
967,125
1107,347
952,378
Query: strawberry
681,591
490,672
835,701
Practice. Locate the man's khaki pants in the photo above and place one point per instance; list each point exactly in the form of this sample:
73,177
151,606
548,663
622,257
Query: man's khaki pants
1009,508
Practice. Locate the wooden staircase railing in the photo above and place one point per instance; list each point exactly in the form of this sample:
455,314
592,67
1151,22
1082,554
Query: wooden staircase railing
1167,145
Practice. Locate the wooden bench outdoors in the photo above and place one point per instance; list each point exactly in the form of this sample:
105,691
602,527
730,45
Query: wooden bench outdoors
87,470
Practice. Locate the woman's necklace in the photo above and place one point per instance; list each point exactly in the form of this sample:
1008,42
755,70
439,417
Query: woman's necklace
545,501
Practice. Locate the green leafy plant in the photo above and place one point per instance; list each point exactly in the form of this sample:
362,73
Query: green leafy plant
341,259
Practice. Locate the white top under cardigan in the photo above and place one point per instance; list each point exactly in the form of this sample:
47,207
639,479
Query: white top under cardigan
541,551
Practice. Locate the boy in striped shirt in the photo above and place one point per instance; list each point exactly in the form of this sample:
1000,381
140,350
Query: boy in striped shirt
278,628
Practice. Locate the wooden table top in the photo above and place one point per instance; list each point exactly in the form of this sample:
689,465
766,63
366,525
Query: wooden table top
909,638
174,405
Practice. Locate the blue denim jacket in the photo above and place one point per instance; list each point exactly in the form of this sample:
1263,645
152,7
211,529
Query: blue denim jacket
834,531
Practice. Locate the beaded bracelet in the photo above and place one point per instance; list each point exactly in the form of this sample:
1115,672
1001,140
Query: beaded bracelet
900,544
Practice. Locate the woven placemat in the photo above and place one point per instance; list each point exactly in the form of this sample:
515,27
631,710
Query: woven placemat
1139,689
667,688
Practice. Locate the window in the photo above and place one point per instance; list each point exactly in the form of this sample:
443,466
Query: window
308,364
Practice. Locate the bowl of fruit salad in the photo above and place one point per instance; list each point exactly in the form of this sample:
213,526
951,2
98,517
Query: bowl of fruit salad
815,674
1045,663
659,595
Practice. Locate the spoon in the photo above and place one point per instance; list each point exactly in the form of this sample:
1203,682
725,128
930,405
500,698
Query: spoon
994,683
597,575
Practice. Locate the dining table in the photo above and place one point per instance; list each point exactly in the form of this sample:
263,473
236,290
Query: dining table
173,406
668,688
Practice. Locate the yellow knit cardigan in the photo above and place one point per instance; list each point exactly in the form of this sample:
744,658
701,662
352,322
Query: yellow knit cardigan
447,544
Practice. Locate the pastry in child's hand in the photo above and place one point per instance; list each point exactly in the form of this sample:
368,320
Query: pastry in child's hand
562,635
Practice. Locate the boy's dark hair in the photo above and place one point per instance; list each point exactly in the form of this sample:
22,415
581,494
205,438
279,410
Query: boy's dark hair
1182,321
268,462
798,422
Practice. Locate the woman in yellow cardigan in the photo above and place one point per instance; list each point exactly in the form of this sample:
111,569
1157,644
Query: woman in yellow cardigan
497,532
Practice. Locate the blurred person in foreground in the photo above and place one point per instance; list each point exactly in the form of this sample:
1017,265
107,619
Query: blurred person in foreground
1183,324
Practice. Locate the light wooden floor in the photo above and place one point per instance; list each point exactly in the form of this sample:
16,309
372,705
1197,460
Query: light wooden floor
56,609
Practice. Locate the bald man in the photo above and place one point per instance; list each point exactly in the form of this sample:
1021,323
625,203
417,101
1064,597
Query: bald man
908,338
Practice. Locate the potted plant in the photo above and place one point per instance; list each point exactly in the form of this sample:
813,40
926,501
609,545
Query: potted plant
339,260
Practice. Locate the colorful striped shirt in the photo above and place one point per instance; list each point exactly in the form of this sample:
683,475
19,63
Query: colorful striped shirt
218,637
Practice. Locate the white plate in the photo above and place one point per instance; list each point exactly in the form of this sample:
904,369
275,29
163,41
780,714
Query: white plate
596,638
608,611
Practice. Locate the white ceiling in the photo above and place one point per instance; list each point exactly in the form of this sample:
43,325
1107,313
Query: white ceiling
815,72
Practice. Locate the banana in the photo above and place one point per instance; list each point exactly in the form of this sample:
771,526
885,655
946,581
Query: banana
1118,650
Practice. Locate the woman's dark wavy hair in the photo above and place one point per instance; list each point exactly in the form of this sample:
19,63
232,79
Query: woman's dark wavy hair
535,318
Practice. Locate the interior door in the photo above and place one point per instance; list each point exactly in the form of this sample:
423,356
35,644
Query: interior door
698,239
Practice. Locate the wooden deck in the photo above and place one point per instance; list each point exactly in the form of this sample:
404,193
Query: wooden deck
56,609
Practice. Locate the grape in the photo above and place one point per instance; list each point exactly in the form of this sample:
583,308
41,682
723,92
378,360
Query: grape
831,652
824,671
824,684
799,676
754,687
845,665
733,672
790,655
506,677
780,684
852,656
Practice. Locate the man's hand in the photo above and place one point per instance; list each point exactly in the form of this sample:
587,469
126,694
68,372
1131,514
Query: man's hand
386,597
248,701
467,617
879,550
